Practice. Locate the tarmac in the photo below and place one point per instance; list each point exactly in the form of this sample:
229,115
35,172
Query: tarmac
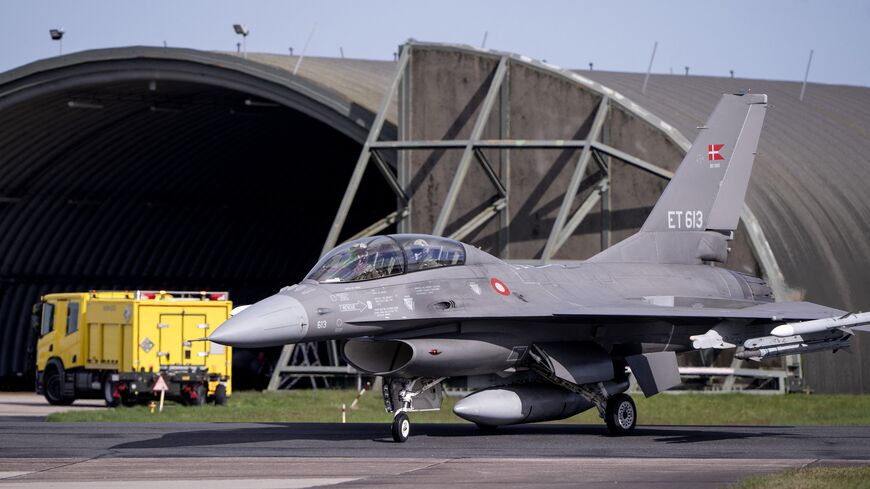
27,406
37,454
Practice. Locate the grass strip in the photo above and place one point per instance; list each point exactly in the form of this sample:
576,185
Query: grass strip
810,478
324,405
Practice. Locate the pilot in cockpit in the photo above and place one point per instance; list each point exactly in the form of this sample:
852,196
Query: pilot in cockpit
356,263
364,263
419,252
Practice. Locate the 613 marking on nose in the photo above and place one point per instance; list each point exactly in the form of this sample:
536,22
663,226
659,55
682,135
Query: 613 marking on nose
685,220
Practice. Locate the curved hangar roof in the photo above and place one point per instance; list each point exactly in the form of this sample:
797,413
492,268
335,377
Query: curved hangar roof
157,168
89,200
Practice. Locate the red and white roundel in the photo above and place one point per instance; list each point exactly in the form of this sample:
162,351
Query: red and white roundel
499,286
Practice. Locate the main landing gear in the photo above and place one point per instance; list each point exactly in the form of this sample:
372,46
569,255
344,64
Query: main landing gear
617,410
410,395
620,415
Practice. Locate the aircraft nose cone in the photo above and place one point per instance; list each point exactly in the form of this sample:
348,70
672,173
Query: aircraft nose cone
276,320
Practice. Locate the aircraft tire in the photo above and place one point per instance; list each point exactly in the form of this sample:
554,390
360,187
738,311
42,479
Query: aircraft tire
401,428
620,415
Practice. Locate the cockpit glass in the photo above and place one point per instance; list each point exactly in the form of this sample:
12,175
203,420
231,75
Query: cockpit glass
364,259
424,252
385,256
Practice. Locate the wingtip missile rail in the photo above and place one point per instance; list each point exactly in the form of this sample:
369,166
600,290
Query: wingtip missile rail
806,336
846,321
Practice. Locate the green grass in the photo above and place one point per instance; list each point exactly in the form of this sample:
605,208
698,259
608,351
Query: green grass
810,478
325,406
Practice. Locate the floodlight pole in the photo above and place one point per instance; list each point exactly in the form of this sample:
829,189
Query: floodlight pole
806,75
304,49
57,35
649,68
243,31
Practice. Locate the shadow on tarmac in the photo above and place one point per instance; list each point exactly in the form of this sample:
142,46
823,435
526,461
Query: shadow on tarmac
380,432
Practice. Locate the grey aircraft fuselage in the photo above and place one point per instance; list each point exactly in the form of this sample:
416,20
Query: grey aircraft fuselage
466,297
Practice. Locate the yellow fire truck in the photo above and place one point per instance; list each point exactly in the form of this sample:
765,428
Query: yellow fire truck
114,345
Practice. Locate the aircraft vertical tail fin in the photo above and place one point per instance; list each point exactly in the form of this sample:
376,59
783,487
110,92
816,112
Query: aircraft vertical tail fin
708,189
703,201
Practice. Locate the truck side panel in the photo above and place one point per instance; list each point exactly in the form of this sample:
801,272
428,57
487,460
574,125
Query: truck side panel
161,325
220,358
110,334
145,343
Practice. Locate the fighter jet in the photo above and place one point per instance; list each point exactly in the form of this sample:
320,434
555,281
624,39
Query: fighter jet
538,343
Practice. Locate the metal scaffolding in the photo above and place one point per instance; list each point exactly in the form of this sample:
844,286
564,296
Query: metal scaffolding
592,148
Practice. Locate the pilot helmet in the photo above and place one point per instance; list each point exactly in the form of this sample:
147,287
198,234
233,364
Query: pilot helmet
359,251
419,248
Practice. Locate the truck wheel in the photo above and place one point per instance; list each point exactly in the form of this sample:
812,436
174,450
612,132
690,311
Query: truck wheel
220,395
201,395
109,391
54,388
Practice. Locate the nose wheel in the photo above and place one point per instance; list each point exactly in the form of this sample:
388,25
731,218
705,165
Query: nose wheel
401,427
404,395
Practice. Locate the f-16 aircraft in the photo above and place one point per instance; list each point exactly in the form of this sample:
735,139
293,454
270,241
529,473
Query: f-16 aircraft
538,343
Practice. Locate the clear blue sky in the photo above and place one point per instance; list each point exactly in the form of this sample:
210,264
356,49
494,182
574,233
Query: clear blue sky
758,39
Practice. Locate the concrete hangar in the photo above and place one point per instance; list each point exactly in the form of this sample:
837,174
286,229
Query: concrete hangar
149,167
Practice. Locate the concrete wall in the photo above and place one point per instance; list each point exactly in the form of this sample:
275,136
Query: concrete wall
445,91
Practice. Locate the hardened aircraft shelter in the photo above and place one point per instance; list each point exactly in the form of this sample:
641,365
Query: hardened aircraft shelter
172,168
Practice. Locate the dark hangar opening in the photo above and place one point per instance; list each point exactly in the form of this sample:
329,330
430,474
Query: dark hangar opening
164,185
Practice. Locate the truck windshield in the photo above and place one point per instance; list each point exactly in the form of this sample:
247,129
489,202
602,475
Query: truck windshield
47,319
385,256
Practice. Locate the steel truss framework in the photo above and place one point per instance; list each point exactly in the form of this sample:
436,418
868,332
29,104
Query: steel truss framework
592,150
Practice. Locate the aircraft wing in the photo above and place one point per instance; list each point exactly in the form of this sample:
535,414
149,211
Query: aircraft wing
625,310
774,311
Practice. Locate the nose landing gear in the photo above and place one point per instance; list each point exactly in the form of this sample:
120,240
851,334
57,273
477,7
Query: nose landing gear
401,392
401,427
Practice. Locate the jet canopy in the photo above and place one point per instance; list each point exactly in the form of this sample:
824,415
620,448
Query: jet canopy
385,256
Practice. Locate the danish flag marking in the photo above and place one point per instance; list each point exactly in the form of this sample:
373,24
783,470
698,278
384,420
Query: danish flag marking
713,152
